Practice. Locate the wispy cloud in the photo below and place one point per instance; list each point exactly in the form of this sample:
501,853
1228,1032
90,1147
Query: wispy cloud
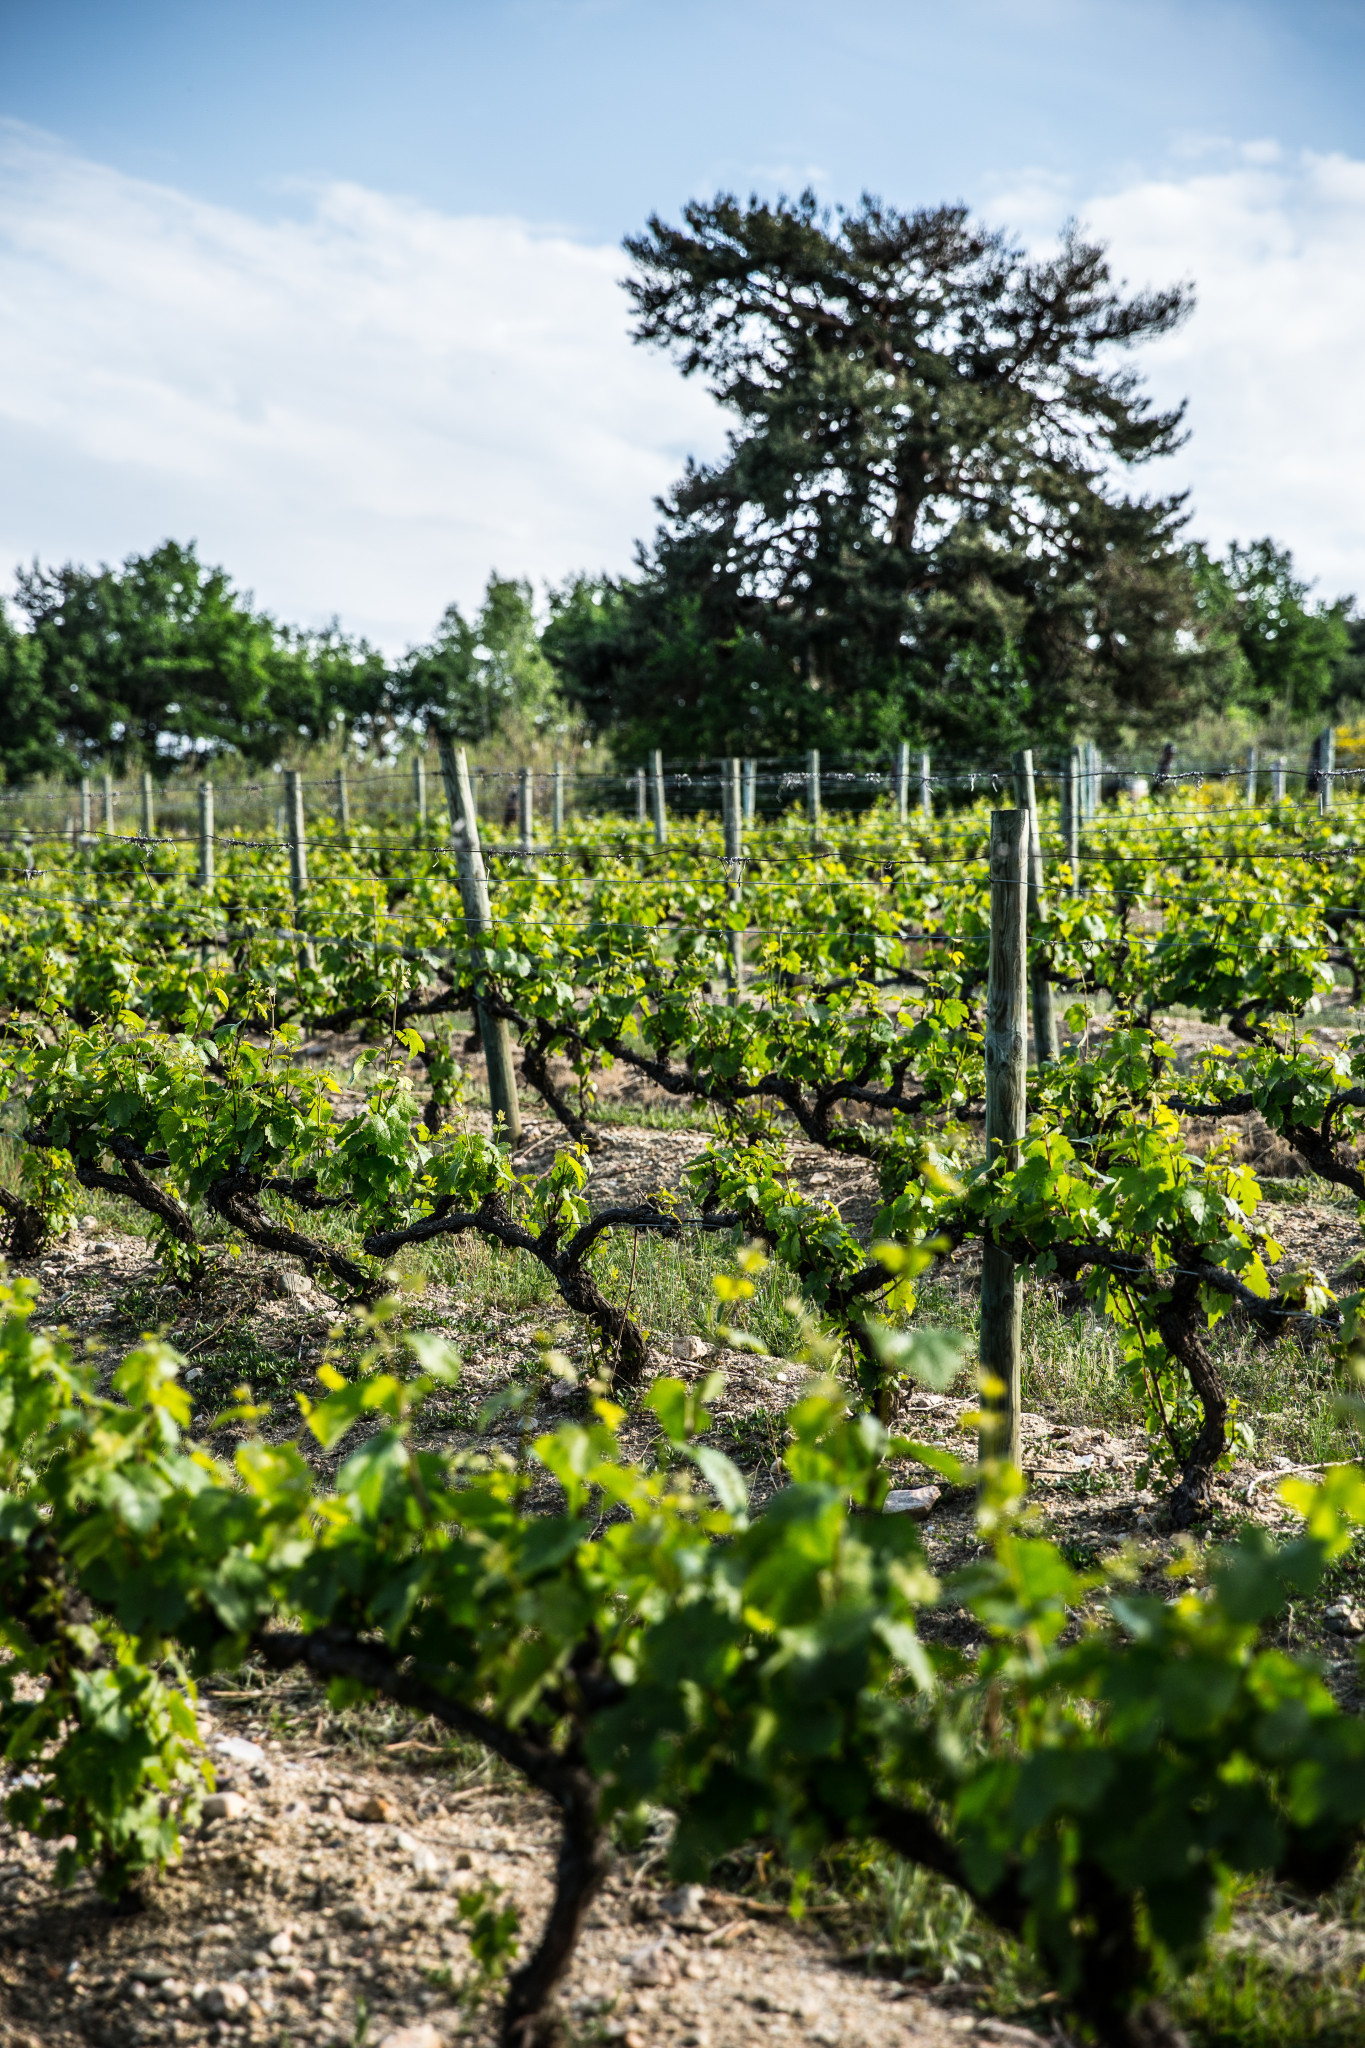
360,410
1271,358
363,407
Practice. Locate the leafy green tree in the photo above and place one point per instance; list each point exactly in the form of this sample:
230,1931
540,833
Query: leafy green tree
916,526
162,659
32,741
350,687
1288,656
475,676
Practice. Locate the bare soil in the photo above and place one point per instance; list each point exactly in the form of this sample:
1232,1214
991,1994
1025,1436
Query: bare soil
323,1907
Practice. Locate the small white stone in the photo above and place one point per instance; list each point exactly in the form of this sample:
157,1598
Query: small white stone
280,1944
224,1806
916,1501
238,1750
223,2001
686,1903
684,1347
1343,1618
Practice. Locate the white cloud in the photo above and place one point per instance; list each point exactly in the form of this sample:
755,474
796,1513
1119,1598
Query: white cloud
360,411
363,408
1270,360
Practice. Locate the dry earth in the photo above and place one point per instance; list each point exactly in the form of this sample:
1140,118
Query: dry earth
324,1909
321,1905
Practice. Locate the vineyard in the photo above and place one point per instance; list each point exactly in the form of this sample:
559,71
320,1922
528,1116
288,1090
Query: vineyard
353,1046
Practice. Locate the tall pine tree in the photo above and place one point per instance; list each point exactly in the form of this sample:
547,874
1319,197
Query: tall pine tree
919,526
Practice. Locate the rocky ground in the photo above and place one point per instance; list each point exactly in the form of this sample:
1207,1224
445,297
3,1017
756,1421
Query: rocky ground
320,1903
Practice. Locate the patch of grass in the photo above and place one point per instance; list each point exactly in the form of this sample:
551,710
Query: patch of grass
108,1211
1240,1999
654,1116
1072,1359
753,1439
1288,1396
1073,1365
667,1286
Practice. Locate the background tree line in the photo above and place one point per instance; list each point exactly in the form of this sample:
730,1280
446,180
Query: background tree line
921,529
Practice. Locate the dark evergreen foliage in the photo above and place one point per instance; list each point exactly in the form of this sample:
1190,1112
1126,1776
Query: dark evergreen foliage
918,526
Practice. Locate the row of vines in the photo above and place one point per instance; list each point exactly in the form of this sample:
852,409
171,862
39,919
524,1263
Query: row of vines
656,1644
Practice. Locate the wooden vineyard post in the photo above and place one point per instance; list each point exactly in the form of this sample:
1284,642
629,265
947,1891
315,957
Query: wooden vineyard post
464,838
750,791
813,793
419,793
87,819
526,807
1045,1042
343,807
903,781
656,784
109,804
1006,1109
206,835
1253,769
294,826
557,804
298,852
732,816
148,806
640,810
1279,778
1327,761
1071,823
206,872
926,788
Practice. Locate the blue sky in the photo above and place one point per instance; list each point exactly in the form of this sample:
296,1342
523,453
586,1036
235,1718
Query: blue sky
590,113
332,287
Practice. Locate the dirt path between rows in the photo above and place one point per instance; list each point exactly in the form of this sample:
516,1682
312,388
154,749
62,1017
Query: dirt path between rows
323,1909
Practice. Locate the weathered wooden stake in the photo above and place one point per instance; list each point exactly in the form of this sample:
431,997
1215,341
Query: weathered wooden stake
464,838
343,806
298,851
1279,778
419,793
813,792
732,816
640,806
750,791
148,806
87,819
903,781
1253,769
1006,1111
1071,820
1327,761
526,810
108,803
206,835
557,804
656,784
294,825
1045,1041
926,788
